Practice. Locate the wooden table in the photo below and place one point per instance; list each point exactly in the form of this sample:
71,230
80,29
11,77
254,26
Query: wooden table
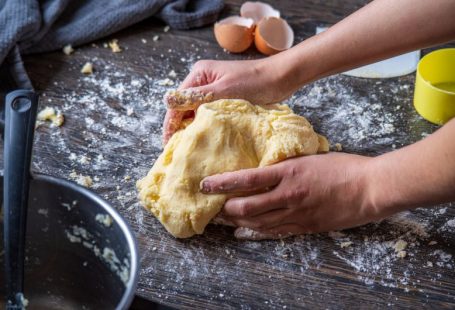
113,125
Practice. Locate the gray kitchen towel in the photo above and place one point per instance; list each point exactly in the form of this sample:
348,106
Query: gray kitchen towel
32,26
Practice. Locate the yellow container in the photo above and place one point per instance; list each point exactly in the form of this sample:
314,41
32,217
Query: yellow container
434,94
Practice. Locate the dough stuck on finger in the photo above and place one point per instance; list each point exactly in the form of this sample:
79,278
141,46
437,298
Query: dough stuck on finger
225,135
187,99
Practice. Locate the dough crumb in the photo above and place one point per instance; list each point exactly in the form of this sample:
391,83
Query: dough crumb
115,48
166,82
338,147
104,219
143,40
49,114
129,111
81,179
68,49
400,245
172,74
24,301
166,29
346,244
429,264
155,38
87,68
432,243
401,254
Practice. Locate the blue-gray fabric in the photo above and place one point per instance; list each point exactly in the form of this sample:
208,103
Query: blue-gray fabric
31,26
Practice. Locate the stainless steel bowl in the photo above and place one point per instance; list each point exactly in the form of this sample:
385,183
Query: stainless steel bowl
80,253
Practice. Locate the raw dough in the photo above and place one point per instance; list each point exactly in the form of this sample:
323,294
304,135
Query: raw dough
226,135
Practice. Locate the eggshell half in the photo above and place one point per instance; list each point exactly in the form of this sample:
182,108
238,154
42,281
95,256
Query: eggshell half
234,33
273,35
257,11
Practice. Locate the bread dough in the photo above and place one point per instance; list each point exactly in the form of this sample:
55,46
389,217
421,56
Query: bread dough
226,135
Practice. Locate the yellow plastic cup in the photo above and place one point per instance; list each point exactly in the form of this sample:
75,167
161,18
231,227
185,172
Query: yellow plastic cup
434,94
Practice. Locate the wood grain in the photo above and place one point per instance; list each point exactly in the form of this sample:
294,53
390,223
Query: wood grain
215,271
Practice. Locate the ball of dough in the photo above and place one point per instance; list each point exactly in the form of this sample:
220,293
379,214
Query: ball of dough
226,135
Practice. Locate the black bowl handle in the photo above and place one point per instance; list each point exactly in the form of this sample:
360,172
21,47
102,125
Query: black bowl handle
20,108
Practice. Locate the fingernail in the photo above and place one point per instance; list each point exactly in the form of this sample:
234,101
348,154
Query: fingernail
204,187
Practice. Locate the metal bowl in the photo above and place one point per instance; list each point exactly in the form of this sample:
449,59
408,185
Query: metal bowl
80,253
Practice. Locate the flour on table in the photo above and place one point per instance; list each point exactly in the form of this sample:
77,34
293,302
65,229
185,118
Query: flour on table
99,104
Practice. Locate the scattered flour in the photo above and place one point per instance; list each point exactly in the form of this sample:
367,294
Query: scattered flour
119,109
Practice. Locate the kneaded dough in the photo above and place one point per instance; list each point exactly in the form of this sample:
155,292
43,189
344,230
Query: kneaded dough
226,135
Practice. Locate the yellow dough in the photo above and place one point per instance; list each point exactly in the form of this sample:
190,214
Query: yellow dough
226,135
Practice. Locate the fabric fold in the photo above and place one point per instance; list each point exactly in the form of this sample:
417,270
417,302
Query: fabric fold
35,26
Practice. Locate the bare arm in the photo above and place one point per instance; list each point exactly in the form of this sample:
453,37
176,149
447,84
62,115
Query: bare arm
418,175
381,29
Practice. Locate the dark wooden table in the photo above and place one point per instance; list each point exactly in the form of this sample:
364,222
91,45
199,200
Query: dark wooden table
113,118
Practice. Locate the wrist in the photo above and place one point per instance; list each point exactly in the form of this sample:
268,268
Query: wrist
288,71
300,65
382,199
361,191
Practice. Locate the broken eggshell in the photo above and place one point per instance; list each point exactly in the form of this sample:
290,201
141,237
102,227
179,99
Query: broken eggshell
273,35
257,11
234,33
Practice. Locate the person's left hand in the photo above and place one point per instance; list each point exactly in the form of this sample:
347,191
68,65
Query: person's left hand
308,194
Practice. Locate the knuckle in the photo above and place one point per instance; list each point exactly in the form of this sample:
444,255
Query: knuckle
243,208
293,171
295,194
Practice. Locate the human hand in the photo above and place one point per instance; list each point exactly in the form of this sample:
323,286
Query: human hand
308,194
258,81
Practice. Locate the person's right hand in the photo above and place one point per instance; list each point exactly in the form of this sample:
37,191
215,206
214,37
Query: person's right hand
258,81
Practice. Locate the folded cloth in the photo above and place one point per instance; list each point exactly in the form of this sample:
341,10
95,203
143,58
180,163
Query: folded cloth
32,26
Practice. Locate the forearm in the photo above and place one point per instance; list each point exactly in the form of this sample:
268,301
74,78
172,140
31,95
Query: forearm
421,174
379,30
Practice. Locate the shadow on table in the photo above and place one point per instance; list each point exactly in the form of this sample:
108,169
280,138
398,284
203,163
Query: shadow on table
140,303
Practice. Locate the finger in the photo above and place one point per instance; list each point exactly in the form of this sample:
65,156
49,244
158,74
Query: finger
279,232
194,79
252,205
172,122
264,221
246,180
187,99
